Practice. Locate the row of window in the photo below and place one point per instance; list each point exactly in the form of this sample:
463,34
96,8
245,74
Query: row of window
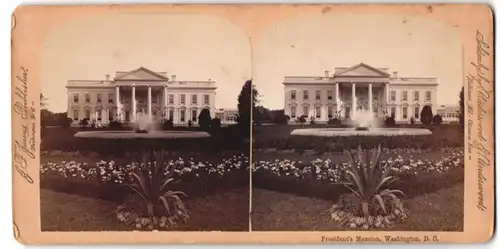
170,115
182,98
416,95
404,95
76,98
330,112
305,94
194,99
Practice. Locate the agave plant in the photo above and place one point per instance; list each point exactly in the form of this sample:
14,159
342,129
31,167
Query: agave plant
152,183
365,178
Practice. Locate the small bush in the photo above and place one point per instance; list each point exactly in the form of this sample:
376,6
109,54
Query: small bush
334,121
437,119
167,124
84,123
115,125
412,120
390,121
215,123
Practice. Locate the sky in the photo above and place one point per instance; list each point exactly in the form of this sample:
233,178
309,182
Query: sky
193,47
199,47
414,46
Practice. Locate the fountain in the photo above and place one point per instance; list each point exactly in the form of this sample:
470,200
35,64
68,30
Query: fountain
363,123
143,124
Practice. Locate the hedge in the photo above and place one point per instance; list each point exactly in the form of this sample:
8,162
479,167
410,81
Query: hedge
117,192
411,186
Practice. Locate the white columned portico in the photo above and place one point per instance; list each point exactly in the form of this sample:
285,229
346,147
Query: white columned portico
118,105
134,105
353,101
370,97
149,102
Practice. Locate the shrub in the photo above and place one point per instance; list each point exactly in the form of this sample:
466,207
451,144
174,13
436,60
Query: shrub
426,115
312,120
84,123
437,119
334,121
302,119
390,121
115,125
204,119
412,120
215,123
167,124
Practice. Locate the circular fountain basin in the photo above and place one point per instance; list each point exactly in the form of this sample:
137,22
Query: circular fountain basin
342,132
150,134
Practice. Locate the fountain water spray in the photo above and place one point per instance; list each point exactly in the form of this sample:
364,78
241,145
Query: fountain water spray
143,124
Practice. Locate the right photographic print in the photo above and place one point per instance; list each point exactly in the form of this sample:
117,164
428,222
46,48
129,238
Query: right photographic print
358,125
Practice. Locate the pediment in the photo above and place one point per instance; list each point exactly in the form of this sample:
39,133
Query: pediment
141,74
362,70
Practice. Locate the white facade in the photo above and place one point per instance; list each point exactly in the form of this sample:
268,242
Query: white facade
227,116
331,96
140,91
450,114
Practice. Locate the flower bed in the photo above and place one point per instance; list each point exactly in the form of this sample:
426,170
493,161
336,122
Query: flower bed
323,178
108,179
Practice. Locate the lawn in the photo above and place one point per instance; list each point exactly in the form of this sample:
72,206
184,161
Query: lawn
225,211
273,211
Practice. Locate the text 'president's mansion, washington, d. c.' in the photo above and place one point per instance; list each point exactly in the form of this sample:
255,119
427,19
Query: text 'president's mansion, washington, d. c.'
361,87
140,91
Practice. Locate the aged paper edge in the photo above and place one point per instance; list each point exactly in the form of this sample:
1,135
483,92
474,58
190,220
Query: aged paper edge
31,23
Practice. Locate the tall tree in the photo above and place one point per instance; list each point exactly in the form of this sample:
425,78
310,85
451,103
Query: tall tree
43,102
246,106
461,106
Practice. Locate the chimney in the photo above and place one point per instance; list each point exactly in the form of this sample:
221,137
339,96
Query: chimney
327,73
107,77
395,74
173,77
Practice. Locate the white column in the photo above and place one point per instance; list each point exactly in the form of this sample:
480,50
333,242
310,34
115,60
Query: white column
118,104
134,104
354,104
103,115
370,98
337,94
387,99
324,115
149,102
165,101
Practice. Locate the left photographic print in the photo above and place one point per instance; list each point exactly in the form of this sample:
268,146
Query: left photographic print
144,124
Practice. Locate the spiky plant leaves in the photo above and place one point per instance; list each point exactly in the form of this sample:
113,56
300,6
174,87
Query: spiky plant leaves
153,183
366,177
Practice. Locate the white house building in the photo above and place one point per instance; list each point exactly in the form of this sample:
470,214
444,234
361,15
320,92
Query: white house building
375,89
139,91
449,113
